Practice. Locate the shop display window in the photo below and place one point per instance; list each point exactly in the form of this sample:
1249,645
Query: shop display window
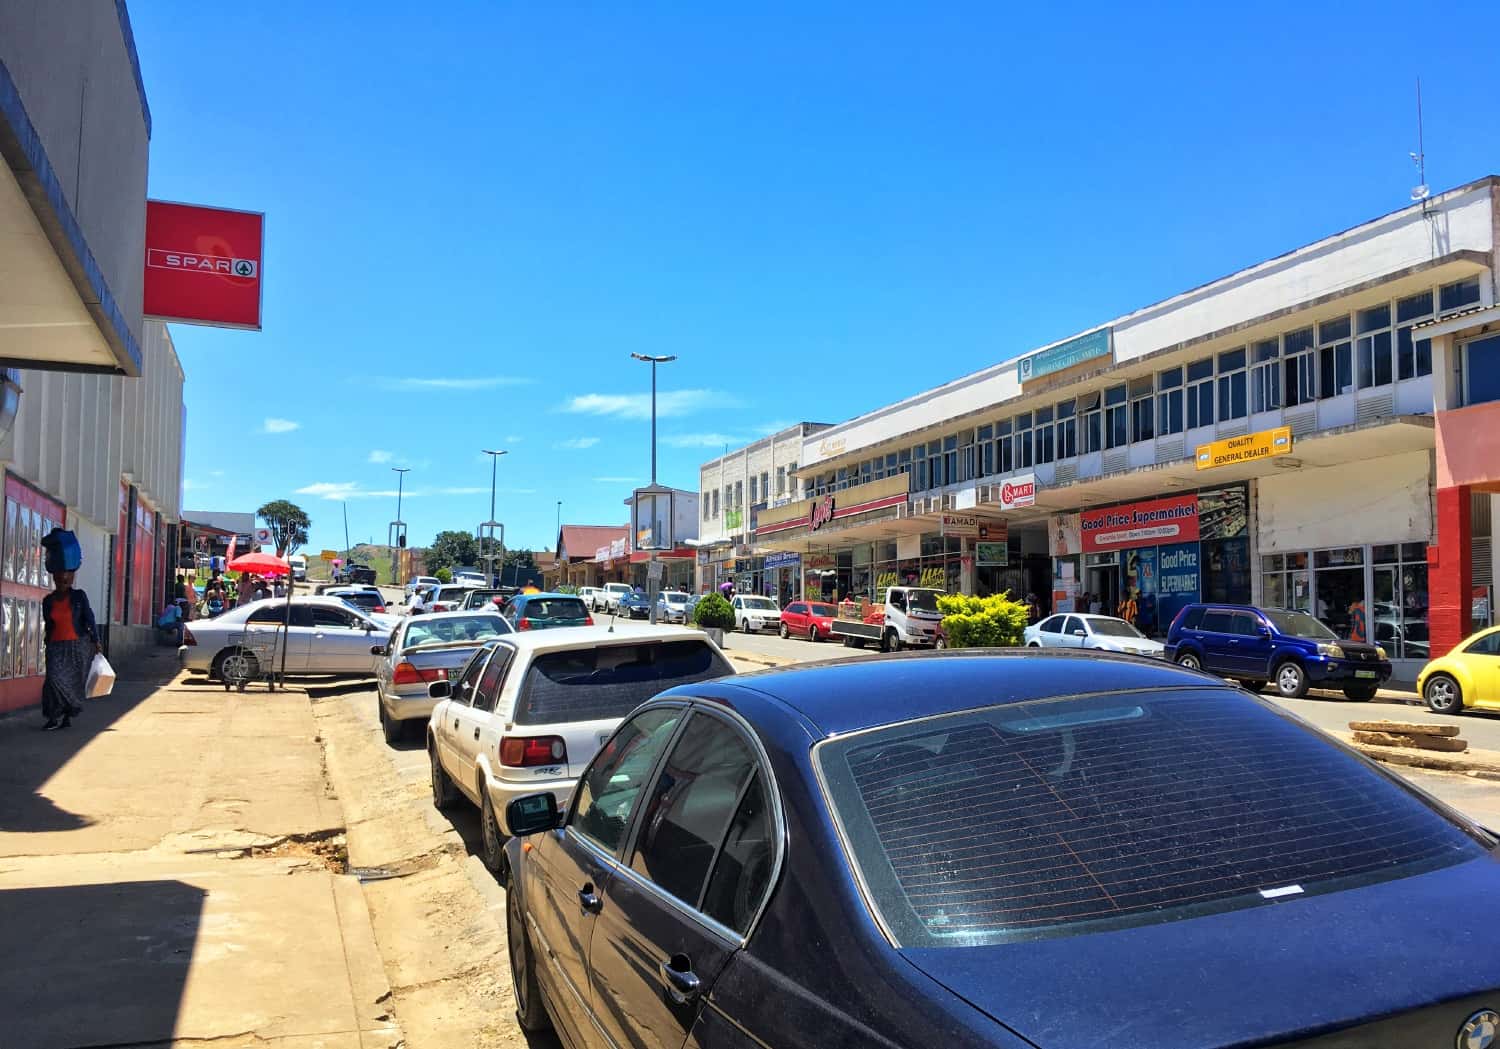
1398,613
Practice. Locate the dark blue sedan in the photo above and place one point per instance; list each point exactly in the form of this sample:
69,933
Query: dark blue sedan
1017,850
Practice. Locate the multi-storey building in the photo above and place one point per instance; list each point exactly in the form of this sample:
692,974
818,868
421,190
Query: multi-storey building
1269,437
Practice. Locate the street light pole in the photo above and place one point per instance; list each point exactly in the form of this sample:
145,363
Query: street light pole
652,585
490,524
398,527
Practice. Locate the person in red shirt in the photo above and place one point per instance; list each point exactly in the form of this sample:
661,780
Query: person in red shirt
72,641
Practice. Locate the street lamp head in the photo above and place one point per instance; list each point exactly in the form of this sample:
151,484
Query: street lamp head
401,469
490,451
661,359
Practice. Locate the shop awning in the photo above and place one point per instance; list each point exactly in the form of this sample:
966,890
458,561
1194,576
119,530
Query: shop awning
641,556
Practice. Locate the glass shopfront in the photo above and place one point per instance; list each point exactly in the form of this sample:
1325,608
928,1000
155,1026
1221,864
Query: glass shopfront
1364,593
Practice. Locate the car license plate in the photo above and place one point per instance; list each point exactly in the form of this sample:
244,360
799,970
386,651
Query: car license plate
1364,673
454,672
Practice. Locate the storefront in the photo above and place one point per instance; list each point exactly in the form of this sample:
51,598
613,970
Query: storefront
783,571
29,515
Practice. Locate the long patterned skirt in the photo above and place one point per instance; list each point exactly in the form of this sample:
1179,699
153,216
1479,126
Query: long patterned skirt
67,677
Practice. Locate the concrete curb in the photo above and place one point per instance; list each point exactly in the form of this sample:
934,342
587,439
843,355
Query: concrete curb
1479,764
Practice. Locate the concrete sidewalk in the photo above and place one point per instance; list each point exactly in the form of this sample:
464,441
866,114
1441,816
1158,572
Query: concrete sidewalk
171,872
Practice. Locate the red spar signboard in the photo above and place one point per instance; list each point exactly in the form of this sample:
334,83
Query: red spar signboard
1171,520
203,265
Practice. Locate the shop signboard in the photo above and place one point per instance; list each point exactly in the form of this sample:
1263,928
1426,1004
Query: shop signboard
328,555
1170,520
1064,355
1232,451
1176,579
1479,610
821,513
991,554
1065,533
965,525
734,519
617,547
1018,493
782,559
203,265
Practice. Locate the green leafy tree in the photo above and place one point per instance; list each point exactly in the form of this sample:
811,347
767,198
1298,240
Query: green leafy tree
452,550
982,622
520,559
288,523
443,575
713,610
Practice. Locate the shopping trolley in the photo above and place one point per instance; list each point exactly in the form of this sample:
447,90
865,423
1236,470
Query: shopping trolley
253,655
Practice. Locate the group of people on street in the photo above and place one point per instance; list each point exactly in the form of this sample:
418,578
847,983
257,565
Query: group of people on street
219,595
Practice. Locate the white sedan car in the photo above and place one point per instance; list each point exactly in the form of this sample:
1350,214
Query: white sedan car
1105,633
753,614
529,710
326,636
421,650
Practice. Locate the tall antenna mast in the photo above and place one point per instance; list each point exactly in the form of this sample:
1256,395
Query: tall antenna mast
1420,192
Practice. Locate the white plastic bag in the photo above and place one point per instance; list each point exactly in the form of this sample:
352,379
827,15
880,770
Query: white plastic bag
101,680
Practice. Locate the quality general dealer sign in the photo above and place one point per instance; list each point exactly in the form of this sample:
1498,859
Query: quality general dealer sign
1232,451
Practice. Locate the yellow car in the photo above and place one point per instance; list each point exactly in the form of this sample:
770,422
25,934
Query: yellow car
1468,676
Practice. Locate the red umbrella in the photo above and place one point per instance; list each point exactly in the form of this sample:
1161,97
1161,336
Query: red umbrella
260,564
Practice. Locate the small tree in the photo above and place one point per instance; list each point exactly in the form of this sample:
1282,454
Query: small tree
982,622
520,559
714,611
452,550
288,523
443,575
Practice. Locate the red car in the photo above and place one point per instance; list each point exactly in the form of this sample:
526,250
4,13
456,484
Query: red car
810,619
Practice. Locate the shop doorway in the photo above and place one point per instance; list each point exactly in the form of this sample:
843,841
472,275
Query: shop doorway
1103,590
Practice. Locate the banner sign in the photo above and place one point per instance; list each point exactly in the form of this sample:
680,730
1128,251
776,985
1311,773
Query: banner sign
1018,492
821,513
961,525
1064,532
1064,355
1234,450
203,265
328,555
1176,579
782,559
991,554
1170,520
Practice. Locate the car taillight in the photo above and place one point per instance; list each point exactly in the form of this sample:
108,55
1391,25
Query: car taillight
439,608
187,637
526,751
588,620
407,674
524,624
380,608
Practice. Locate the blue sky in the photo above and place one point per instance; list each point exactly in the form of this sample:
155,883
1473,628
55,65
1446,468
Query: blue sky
477,211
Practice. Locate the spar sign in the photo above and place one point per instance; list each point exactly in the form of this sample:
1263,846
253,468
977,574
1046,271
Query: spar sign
1018,493
1157,521
203,265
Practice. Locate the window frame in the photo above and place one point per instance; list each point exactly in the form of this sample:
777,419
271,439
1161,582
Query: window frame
1201,394
1232,368
1368,351
1265,374
1171,417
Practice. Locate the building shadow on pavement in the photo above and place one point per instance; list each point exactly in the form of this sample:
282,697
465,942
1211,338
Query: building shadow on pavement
30,757
95,965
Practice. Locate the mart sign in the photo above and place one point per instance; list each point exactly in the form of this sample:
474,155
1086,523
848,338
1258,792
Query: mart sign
203,265
1018,493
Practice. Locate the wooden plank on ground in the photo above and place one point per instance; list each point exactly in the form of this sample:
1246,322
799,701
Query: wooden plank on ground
1405,728
1448,744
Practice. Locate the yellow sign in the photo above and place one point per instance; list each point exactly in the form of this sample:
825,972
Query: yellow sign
1235,450
329,555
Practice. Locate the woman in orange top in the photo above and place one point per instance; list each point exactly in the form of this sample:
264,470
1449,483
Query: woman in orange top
72,640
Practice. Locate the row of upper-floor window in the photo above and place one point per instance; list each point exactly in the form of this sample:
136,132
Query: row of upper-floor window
760,490
1365,349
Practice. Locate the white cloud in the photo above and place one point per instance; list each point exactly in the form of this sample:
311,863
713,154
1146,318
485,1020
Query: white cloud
702,440
775,426
338,491
578,442
638,405
513,439
378,456
473,382
615,480
188,484
471,490
216,473
281,426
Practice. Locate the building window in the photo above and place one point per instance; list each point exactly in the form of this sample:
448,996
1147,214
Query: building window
1090,407
707,505
1116,432
1413,357
1265,380
1335,359
1005,460
866,472
716,504
1023,441
950,459
986,439
752,489
1232,385
904,458
728,497
1299,368
1141,416
1200,393
966,456
1045,448
1067,430
919,458
1481,365
765,485
1458,295
1374,347
1169,401
781,480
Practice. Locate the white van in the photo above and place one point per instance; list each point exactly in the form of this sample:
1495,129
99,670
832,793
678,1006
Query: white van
299,567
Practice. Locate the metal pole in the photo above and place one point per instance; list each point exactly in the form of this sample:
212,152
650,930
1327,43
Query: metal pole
398,527
494,469
653,426
346,535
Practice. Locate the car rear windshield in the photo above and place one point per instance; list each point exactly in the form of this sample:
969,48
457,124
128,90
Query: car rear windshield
1076,815
609,681
1114,628
364,599
1300,624
431,631
451,593
555,608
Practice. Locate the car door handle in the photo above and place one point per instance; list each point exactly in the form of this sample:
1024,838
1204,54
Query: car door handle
1232,641
682,983
476,733
455,723
589,900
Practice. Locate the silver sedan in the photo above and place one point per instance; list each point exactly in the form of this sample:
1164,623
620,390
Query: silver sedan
421,650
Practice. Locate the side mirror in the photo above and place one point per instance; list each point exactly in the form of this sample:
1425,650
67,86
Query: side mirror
377,650
1264,631
439,690
1080,633
531,814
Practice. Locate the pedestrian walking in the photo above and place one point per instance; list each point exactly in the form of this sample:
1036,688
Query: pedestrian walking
71,634
1033,611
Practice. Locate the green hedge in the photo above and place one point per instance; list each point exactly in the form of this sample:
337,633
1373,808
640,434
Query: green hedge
713,610
982,622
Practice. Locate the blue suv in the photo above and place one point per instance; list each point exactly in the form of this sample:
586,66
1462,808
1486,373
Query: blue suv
1291,649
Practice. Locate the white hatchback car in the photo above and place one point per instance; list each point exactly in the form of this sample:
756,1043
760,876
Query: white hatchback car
752,614
529,710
